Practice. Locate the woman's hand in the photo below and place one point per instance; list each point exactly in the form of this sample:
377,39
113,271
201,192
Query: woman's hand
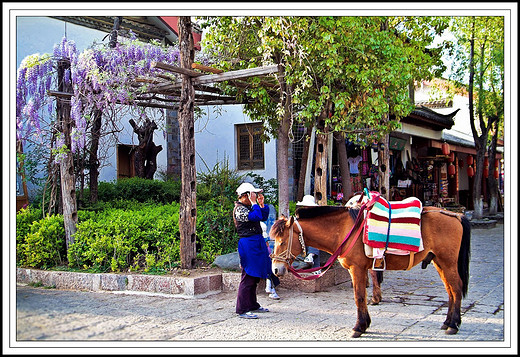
252,198
260,199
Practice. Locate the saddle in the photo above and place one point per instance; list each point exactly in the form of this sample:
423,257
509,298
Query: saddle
393,227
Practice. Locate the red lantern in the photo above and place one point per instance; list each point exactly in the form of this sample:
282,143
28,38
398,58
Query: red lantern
496,173
451,169
451,157
486,162
496,163
445,147
470,160
471,172
461,163
486,172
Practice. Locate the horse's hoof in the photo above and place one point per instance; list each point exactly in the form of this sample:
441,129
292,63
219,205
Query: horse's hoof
444,327
356,334
451,331
374,302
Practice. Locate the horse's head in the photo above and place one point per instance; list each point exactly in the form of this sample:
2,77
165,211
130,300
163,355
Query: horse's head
284,231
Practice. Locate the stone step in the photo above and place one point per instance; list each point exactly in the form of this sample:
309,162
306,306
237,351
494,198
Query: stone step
200,286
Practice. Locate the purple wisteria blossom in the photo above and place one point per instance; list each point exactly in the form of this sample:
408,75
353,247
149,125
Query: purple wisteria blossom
101,77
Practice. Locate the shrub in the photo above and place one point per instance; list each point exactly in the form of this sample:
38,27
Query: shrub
219,183
24,218
117,239
140,190
44,245
215,230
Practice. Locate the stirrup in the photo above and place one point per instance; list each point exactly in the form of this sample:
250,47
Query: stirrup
379,268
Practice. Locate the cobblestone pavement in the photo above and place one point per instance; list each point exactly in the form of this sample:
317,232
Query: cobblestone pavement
414,307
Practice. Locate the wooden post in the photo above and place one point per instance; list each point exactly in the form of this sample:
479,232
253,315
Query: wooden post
68,187
188,199
384,167
339,139
320,170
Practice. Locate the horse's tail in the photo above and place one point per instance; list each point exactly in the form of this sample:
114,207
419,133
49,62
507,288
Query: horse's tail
464,255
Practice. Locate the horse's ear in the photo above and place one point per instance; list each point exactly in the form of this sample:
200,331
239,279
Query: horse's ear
290,222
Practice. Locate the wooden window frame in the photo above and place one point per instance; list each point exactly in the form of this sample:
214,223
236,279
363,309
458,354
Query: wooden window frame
250,147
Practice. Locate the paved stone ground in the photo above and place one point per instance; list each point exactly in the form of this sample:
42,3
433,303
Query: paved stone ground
414,307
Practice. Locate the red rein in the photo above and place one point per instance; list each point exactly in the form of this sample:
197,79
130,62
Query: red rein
357,227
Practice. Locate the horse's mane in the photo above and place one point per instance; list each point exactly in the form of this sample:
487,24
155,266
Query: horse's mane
278,227
354,212
317,211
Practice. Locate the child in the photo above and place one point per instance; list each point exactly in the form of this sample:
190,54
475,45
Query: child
272,280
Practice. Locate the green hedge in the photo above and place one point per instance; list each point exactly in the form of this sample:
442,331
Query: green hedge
40,243
144,237
140,189
135,225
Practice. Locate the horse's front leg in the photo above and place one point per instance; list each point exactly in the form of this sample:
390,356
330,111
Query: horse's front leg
359,280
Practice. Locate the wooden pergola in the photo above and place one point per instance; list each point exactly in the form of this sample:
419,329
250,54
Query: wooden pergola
180,88
183,88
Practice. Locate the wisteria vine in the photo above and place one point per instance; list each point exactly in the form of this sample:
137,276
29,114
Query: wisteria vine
100,77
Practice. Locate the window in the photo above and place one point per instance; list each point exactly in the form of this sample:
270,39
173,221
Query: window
250,146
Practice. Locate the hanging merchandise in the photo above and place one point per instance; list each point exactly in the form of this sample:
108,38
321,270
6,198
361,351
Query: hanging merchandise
364,154
364,168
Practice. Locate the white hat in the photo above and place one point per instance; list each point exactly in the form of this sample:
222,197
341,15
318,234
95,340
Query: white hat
308,200
247,187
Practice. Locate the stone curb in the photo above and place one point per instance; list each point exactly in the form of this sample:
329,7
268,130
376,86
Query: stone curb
202,286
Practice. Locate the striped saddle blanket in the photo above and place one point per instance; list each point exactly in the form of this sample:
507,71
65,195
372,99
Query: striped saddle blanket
404,218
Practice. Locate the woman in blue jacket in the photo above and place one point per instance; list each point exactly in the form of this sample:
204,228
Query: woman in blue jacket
249,211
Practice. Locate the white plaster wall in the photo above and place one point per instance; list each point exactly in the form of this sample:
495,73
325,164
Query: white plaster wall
215,140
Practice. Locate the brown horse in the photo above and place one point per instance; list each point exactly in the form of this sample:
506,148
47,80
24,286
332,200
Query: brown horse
446,241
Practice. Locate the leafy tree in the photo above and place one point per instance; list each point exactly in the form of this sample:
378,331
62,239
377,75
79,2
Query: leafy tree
346,73
480,53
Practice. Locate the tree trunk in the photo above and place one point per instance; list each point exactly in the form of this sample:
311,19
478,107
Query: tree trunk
188,199
493,189
145,157
339,138
282,150
303,168
68,190
93,162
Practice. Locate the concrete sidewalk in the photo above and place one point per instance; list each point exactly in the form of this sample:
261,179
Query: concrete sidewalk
414,307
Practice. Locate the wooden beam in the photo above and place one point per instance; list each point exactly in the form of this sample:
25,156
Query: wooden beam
241,73
201,67
156,105
59,94
176,69
225,76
